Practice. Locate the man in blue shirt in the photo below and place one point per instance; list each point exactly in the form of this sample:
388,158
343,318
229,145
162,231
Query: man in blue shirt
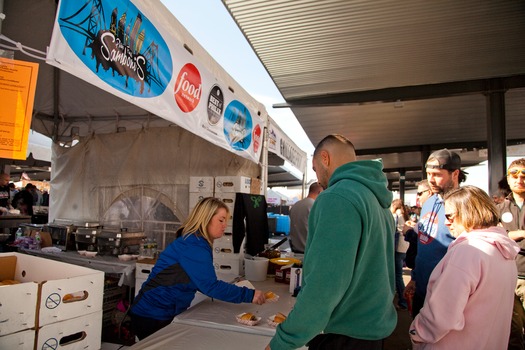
444,173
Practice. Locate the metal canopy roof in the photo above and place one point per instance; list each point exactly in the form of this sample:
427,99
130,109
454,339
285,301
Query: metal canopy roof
392,76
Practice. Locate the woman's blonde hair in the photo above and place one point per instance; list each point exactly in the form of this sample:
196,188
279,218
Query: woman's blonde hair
474,208
199,218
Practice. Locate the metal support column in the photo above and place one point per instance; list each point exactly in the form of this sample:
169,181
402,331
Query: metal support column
402,179
496,136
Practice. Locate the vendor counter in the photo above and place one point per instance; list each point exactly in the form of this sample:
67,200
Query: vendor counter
211,324
108,264
13,221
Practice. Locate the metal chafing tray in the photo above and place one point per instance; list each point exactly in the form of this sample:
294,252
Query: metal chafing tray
117,241
86,237
61,233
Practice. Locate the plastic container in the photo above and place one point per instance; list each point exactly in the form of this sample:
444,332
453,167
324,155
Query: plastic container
255,268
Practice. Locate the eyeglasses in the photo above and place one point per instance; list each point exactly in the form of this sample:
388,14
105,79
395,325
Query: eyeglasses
515,173
450,217
420,193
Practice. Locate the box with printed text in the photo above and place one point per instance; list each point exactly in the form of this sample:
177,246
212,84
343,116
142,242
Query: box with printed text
53,290
195,197
202,184
83,332
232,184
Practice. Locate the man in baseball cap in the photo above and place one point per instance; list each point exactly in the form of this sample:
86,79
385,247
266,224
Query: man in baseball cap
444,173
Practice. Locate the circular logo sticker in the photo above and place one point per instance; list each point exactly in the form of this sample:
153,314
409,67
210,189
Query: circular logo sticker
215,105
188,88
238,126
507,217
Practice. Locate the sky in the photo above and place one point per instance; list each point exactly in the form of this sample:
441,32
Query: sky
211,25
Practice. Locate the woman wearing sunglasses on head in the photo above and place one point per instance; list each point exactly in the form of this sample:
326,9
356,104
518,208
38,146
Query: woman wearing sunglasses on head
471,291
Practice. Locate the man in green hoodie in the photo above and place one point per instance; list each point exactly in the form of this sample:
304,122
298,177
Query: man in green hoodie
348,272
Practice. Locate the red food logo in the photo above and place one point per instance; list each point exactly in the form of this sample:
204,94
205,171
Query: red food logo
256,138
188,88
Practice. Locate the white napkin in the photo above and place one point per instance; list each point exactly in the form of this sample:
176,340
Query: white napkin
245,283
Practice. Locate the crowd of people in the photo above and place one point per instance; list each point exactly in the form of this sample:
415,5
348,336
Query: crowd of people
23,199
462,246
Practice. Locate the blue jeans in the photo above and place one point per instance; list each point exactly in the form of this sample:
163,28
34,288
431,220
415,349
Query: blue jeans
400,284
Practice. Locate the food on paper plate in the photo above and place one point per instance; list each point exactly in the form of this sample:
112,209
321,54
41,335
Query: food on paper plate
274,320
271,296
279,318
248,317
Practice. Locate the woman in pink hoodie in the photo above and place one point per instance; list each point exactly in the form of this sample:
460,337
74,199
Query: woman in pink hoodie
471,291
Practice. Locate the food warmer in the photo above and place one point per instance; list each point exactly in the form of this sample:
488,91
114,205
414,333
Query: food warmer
61,233
86,236
117,241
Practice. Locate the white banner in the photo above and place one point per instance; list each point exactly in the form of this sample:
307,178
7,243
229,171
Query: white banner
132,49
280,144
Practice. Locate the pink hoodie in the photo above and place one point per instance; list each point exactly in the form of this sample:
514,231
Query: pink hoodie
470,294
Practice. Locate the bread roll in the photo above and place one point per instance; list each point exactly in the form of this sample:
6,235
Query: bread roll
279,318
8,282
269,295
248,317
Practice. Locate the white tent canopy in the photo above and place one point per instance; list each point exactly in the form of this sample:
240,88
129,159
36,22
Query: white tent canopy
130,167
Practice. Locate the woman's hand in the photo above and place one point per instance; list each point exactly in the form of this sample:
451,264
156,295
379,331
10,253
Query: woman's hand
258,297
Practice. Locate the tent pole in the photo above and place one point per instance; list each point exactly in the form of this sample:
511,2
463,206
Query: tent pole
264,170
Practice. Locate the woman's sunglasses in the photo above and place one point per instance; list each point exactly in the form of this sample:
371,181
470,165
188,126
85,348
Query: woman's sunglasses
420,193
515,173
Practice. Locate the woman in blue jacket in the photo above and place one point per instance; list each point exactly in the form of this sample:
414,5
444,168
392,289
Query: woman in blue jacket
185,267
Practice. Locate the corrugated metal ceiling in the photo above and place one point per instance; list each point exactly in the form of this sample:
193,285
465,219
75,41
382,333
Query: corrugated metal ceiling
392,75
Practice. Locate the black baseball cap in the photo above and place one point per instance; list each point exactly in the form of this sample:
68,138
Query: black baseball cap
448,160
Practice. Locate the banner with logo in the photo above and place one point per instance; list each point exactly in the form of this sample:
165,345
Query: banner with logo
280,144
17,94
133,49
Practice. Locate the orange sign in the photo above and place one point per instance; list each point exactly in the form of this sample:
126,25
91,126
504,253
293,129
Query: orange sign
17,94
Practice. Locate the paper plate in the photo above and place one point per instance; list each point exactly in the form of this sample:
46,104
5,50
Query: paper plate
270,321
247,322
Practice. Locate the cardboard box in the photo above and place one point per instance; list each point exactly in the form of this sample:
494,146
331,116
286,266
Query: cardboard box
19,340
45,238
232,184
80,333
232,264
18,304
256,186
64,291
142,271
195,197
229,199
222,247
202,184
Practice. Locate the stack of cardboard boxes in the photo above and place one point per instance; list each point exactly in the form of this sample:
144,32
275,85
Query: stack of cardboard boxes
225,188
49,304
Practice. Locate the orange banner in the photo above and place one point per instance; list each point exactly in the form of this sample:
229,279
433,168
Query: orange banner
17,94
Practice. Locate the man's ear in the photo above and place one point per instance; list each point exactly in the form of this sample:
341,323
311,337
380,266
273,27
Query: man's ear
325,158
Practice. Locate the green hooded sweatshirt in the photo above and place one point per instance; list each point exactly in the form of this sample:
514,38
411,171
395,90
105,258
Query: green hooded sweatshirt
348,271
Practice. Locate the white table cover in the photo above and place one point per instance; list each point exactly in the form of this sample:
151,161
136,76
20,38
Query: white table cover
211,324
